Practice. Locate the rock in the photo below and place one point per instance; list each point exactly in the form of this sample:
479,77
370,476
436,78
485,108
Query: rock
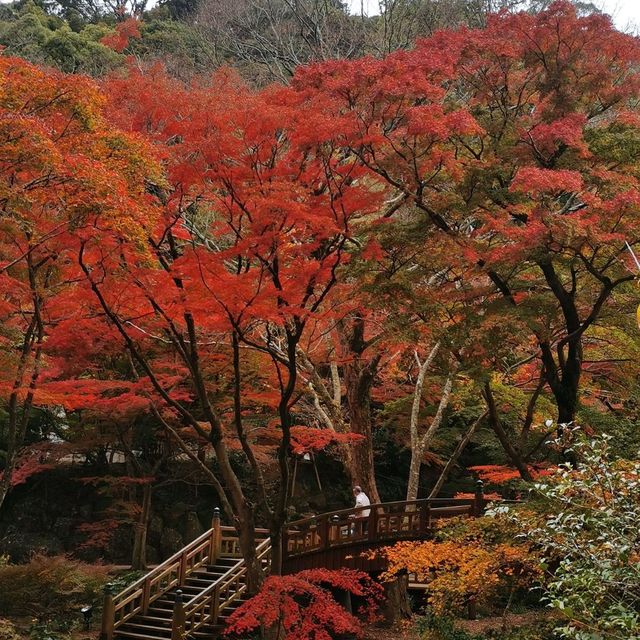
63,528
154,530
170,542
120,547
176,513
21,546
192,527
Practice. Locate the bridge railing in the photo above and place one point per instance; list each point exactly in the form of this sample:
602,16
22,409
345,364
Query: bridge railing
384,522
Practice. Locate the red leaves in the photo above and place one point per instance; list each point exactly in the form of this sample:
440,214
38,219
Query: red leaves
306,439
431,120
500,474
534,181
567,130
303,607
119,40
36,459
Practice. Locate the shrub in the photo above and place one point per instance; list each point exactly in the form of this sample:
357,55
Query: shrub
434,627
586,525
302,606
8,630
48,586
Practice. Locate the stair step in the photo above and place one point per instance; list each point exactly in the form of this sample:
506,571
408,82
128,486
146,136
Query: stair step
200,581
158,612
153,620
207,633
140,627
164,603
120,633
191,589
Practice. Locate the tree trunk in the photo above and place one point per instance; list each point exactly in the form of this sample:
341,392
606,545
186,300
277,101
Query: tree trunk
513,453
358,385
139,555
415,466
358,377
277,552
247,543
420,444
455,456
5,481
327,402
397,606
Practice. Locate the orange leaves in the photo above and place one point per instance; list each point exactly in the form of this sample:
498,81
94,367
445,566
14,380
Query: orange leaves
66,174
63,162
458,572
501,474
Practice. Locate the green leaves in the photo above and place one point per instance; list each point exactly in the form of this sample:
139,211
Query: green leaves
589,534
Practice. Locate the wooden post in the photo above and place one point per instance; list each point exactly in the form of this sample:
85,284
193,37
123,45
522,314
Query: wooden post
334,526
216,537
146,595
182,569
479,499
324,531
424,517
372,525
108,615
215,605
179,619
472,610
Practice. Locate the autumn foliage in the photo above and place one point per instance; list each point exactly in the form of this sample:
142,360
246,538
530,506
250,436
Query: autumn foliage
255,274
470,563
302,607
65,171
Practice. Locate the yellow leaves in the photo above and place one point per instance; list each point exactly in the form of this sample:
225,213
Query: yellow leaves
459,572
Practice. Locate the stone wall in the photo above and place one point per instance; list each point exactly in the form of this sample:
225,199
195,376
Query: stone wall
45,515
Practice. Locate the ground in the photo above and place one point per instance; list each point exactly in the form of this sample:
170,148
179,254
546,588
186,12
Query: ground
407,630
401,632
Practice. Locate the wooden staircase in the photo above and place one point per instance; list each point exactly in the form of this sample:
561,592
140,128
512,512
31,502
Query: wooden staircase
190,595
156,624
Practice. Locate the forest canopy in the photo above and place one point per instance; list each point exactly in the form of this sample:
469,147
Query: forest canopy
276,251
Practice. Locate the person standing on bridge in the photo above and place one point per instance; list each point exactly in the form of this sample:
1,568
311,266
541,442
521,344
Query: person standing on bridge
362,500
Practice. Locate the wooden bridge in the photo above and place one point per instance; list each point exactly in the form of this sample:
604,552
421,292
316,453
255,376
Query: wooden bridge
193,593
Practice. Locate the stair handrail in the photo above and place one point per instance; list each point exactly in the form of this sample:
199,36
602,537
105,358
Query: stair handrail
136,598
205,607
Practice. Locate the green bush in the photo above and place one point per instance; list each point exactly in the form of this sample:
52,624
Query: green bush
433,627
48,586
586,526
